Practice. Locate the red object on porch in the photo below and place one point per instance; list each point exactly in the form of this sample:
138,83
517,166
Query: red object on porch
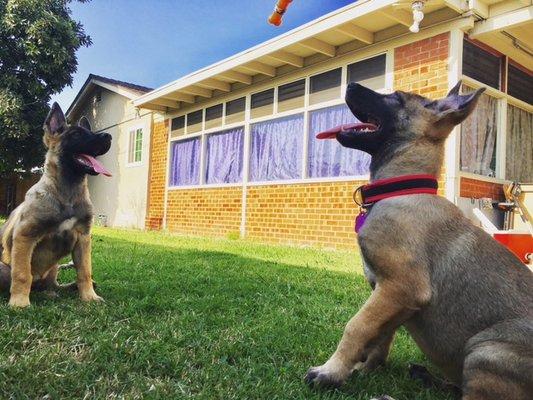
521,244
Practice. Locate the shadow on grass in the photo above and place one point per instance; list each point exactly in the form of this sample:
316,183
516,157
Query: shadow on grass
180,322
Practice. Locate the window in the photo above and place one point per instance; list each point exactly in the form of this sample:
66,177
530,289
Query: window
235,110
478,137
481,65
177,127
263,103
277,121
224,154
369,73
520,84
519,146
135,148
325,86
194,121
276,152
213,116
291,96
185,162
326,157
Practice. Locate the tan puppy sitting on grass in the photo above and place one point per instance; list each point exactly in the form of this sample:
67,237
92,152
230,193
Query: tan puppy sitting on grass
56,216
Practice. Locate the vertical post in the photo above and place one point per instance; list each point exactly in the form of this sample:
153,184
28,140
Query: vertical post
246,166
389,71
453,143
167,171
305,142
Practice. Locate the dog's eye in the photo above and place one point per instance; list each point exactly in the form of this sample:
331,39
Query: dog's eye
399,98
430,105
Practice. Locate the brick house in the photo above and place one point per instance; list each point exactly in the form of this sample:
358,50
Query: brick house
233,150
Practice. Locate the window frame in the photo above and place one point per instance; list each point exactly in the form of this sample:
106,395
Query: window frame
504,99
134,129
248,121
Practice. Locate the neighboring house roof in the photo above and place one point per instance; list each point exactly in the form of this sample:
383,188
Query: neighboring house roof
126,89
353,28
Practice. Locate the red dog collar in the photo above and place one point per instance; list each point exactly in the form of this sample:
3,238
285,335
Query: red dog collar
367,195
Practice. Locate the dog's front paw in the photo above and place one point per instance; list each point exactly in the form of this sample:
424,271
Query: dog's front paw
19,301
330,375
90,296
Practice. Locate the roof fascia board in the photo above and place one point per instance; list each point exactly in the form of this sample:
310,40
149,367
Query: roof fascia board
130,95
117,89
81,95
508,20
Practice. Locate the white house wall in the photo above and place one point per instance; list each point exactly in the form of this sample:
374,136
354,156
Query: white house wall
120,199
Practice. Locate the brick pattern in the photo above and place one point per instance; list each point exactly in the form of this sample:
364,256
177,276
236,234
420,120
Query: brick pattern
213,212
305,214
473,188
157,175
422,67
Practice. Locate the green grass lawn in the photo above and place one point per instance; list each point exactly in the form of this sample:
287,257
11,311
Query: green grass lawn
195,317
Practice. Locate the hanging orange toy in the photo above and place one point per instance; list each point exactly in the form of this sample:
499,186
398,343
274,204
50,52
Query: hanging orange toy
279,10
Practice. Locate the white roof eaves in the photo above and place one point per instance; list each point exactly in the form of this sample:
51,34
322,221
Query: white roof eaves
129,94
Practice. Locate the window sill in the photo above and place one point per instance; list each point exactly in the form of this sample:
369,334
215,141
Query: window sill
275,183
483,178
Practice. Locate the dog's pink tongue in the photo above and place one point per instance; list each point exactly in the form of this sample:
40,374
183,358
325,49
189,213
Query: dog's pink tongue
357,126
97,166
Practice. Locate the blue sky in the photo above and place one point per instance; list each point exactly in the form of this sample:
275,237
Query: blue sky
153,42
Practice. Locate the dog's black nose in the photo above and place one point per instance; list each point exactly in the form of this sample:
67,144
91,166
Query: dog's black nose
354,87
106,136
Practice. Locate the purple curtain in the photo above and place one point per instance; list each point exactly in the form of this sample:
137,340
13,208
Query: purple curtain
225,156
185,167
327,158
277,149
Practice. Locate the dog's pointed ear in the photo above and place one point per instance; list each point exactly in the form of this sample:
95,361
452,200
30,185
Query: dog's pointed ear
455,90
453,109
55,122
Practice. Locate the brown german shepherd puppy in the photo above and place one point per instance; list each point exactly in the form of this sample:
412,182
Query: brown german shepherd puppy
56,216
465,299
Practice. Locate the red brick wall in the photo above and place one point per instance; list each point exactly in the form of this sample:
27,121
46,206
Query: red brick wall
205,211
157,176
312,214
422,67
477,189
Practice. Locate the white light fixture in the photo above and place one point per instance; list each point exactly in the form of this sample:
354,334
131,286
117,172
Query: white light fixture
418,15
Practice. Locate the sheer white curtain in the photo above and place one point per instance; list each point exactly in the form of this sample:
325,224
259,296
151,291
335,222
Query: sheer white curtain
478,137
185,163
327,158
519,145
276,151
224,156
